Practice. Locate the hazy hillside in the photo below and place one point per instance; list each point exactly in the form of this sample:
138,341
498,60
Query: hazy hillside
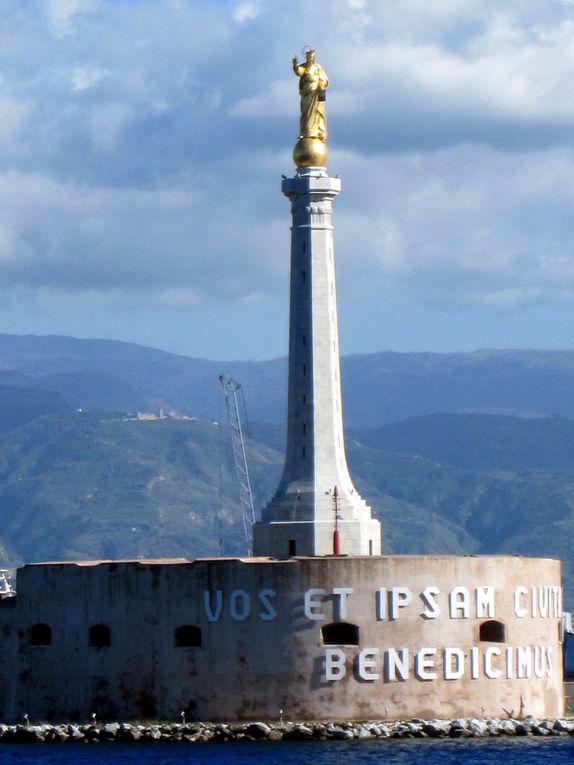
386,387
103,375
78,485
527,512
106,375
474,442
93,484
82,486
19,406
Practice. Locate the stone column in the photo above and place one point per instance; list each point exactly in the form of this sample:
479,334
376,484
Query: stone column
300,519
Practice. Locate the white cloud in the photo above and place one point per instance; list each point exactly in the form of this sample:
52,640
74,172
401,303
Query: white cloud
477,225
106,123
142,144
13,116
277,100
245,12
86,77
61,13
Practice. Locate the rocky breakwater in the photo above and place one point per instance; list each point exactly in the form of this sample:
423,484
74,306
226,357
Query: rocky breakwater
261,731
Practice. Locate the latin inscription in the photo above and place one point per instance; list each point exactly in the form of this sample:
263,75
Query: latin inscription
542,602
390,604
450,663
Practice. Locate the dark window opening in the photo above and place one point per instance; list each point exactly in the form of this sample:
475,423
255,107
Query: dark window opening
304,340
492,632
41,634
304,399
292,548
304,369
303,452
568,656
99,636
188,636
304,248
370,546
304,429
340,633
303,276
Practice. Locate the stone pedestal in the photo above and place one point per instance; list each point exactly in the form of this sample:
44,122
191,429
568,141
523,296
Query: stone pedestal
300,519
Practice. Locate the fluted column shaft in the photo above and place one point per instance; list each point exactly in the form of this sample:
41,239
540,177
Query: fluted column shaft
300,518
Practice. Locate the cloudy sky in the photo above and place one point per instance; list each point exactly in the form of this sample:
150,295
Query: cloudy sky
142,144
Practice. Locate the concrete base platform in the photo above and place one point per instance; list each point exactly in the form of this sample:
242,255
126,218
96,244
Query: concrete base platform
322,638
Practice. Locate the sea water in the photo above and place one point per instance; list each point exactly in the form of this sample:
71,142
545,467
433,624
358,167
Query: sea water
511,751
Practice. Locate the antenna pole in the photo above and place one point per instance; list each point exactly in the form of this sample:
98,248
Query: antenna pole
336,539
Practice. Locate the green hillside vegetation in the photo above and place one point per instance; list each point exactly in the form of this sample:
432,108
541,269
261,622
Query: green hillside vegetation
428,506
83,486
90,484
17,407
77,485
475,442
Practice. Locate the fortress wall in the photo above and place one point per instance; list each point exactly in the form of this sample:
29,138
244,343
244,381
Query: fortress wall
418,651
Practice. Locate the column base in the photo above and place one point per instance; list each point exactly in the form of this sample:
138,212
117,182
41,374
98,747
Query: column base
285,539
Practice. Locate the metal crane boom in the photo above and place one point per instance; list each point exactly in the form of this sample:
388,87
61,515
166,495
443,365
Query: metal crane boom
231,390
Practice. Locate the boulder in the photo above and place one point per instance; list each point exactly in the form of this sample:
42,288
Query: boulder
258,730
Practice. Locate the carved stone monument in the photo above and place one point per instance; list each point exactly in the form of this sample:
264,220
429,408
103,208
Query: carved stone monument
316,509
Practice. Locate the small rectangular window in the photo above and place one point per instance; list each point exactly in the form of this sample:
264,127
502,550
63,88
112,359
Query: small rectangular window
187,636
99,636
304,452
292,547
340,633
41,634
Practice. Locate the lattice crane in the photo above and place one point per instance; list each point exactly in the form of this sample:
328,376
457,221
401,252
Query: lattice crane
232,391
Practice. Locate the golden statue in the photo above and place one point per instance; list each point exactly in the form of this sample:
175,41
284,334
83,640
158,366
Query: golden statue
311,148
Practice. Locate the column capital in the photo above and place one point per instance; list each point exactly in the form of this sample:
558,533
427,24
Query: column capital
311,180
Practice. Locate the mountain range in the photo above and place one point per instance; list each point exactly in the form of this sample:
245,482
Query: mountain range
458,453
107,375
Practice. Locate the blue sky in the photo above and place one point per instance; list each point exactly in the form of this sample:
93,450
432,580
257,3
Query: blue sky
142,144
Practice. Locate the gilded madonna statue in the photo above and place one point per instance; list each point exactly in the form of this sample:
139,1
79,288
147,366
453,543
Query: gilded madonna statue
311,147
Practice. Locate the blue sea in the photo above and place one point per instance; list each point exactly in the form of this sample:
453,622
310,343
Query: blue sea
530,751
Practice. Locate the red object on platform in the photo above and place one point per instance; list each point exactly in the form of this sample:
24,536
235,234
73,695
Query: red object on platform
336,543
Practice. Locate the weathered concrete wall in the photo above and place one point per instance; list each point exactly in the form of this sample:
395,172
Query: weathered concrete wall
419,650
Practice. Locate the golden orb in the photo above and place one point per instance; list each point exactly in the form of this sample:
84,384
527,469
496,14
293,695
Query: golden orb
310,152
